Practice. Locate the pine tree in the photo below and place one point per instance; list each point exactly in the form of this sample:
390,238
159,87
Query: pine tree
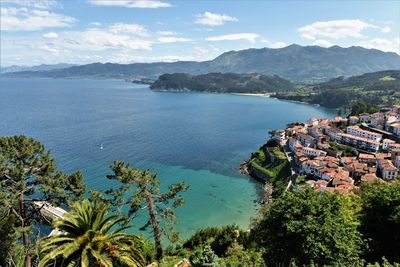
141,190
27,173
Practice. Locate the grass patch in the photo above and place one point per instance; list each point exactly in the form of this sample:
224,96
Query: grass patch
273,163
387,78
346,151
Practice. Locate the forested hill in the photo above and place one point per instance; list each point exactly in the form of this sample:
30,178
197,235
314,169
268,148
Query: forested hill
377,81
294,62
374,89
222,83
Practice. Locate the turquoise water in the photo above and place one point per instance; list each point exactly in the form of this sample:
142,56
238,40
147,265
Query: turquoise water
196,137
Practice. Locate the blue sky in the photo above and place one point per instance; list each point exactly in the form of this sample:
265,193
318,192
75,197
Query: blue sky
124,31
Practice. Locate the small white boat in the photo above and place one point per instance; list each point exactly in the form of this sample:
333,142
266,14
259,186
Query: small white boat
101,147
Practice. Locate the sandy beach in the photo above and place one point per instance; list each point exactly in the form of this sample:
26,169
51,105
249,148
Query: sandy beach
249,94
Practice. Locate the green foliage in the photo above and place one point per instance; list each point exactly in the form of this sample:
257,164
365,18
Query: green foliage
362,107
300,180
7,235
222,83
237,256
384,263
204,257
272,162
26,172
309,227
140,190
364,93
370,81
218,238
169,261
90,238
381,220
346,151
148,250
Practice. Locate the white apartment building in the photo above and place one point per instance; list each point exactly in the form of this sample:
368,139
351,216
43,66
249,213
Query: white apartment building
312,152
358,142
386,144
357,131
388,170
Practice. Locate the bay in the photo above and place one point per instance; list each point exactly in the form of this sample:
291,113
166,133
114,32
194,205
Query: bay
199,138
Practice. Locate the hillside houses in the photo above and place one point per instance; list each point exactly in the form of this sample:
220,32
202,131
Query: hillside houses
325,166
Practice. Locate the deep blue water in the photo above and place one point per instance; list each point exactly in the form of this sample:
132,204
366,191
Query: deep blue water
196,137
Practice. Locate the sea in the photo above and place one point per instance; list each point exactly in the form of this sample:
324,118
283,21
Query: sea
199,138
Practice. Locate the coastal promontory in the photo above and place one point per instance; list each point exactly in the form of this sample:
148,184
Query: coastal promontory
222,83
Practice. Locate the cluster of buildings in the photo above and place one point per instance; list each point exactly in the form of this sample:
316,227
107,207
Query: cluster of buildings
323,149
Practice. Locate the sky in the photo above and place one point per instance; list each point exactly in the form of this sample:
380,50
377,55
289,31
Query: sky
37,32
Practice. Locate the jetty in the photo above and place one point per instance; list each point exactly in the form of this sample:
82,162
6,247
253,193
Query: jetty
49,211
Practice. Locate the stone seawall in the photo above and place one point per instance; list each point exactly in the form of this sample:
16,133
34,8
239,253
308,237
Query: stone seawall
257,174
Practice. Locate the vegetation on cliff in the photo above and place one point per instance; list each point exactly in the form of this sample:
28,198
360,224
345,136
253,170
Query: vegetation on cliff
375,89
222,83
270,163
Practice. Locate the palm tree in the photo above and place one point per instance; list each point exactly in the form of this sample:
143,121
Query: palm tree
87,239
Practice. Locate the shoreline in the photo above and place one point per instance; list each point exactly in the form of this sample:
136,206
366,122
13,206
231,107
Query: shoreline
252,94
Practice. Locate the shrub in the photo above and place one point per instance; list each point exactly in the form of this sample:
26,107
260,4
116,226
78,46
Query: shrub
204,257
218,238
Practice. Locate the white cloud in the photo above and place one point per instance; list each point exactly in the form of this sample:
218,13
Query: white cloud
42,4
50,35
131,3
96,23
273,44
87,41
250,37
386,29
383,44
277,45
134,29
173,39
167,33
102,39
52,49
323,43
24,19
334,29
213,19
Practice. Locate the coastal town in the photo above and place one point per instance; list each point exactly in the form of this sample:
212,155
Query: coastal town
340,154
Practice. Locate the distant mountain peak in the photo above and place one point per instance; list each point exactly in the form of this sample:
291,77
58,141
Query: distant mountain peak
293,62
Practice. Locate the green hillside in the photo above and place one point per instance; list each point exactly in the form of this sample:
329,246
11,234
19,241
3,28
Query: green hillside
222,83
294,62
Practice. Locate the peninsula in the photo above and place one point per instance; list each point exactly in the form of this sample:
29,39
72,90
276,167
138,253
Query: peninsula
222,83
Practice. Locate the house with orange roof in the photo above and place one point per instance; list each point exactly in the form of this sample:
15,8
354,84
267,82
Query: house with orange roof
367,158
396,108
365,117
306,140
395,128
386,143
387,169
312,152
369,178
352,120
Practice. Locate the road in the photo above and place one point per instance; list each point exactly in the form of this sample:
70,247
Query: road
293,166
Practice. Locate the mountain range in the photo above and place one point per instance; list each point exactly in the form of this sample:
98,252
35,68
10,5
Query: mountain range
42,67
294,62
